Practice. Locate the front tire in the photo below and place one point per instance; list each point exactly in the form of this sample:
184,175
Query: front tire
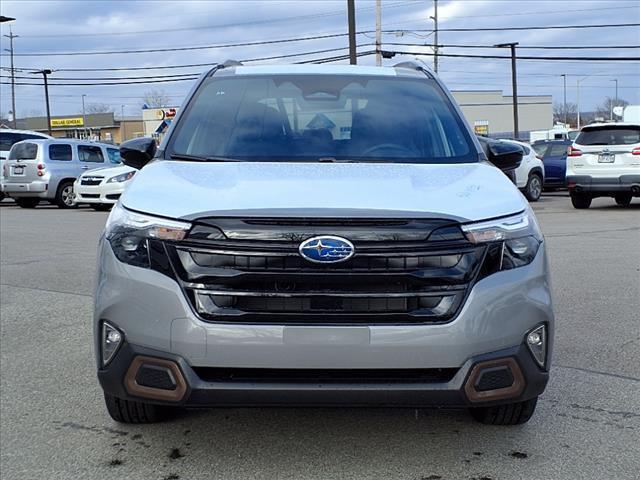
510,414
624,200
533,190
64,195
27,202
580,200
127,411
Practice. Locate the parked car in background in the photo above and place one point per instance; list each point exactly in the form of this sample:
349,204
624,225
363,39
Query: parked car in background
102,187
488,144
8,137
554,158
604,161
529,176
47,169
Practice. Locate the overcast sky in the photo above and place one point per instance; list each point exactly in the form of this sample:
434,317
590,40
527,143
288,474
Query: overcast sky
51,27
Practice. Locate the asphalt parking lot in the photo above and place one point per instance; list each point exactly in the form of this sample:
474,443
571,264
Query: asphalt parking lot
55,426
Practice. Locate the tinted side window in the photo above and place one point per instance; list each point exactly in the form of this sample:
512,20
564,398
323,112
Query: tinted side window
114,155
60,152
558,150
7,139
540,148
90,153
610,135
24,151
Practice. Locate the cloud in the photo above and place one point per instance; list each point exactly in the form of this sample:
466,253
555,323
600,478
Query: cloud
64,26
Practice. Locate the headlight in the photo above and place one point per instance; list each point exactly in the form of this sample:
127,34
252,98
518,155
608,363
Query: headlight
122,178
129,234
515,239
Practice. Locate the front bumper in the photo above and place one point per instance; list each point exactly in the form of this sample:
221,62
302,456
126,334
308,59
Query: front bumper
604,185
158,321
193,390
108,193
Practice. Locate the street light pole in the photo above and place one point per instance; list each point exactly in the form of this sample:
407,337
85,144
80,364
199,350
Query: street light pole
435,31
616,104
84,118
564,79
122,125
44,73
378,32
514,85
351,14
11,36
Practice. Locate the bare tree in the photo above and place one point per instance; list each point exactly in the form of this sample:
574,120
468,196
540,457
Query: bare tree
98,108
156,98
605,108
571,113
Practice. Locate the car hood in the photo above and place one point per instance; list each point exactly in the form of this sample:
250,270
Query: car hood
188,190
108,171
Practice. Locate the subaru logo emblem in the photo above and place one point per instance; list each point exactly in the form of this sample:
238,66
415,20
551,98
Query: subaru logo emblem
327,249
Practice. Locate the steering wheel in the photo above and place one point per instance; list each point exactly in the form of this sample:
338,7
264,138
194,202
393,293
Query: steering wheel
393,147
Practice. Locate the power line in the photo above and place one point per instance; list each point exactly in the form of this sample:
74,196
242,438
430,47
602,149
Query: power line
226,25
523,57
536,47
500,29
185,48
300,39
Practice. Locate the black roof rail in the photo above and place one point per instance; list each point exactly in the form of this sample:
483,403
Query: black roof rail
231,63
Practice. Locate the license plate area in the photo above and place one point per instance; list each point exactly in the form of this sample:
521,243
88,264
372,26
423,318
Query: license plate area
606,158
18,170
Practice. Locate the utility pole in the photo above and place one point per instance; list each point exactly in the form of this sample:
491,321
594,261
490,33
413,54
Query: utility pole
514,85
84,118
435,31
351,14
11,36
616,104
44,73
564,80
122,125
378,32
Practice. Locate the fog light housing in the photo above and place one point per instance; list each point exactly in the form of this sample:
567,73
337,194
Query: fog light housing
111,341
537,343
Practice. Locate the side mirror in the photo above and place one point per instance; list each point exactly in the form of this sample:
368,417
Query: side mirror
506,156
137,152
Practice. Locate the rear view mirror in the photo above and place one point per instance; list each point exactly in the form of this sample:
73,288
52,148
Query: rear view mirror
506,156
137,152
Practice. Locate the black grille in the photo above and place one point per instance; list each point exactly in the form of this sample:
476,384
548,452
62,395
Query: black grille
335,376
421,275
90,195
91,181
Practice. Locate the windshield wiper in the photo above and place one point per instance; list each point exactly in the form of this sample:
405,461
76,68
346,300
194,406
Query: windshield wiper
198,158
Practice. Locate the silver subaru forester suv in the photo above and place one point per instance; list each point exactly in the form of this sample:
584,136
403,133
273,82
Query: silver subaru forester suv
322,236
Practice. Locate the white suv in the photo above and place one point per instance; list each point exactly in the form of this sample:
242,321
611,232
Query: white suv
530,173
604,161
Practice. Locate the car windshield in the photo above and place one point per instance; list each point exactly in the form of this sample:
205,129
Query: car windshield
321,118
609,135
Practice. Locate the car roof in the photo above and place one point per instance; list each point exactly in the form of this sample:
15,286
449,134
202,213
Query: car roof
401,69
612,124
67,141
30,132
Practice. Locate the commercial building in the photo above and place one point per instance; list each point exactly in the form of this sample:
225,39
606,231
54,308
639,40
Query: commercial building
157,120
490,112
99,127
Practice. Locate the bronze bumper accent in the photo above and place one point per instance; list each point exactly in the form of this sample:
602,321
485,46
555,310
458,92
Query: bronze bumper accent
133,388
512,391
